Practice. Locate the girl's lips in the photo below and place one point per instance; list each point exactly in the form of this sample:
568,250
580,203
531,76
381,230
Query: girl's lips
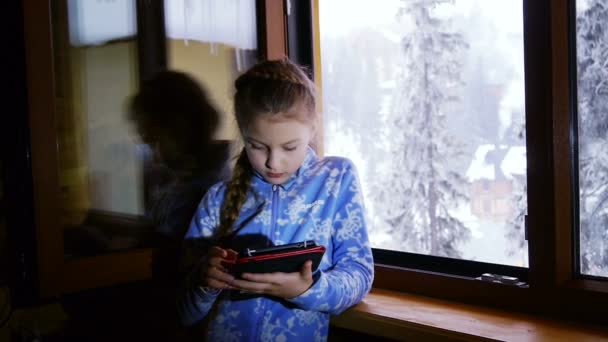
274,175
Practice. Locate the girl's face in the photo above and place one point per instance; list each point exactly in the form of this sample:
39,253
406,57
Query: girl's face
276,147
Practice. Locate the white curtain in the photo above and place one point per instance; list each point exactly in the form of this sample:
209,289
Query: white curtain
94,22
230,22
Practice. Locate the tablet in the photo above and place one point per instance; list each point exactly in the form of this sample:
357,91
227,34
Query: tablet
282,258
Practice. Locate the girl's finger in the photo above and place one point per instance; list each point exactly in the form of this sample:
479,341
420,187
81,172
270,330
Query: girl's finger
216,284
215,261
271,278
250,286
306,271
214,272
217,252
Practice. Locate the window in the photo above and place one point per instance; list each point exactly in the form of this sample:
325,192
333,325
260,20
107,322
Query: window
431,110
592,109
118,191
84,62
534,182
98,169
550,181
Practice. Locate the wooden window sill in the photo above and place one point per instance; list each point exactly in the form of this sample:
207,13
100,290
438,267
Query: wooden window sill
403,316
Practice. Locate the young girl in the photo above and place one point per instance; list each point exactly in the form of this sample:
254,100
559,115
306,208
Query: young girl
280,192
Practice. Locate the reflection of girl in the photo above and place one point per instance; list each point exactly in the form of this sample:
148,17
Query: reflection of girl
175,118
282,191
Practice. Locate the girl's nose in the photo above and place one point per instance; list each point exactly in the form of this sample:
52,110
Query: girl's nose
272,161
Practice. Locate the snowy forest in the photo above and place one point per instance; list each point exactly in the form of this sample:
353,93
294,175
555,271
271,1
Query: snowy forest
592,74
427,98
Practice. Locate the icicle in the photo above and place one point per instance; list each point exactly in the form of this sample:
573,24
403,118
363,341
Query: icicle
239,62
186,2
214,48
212,37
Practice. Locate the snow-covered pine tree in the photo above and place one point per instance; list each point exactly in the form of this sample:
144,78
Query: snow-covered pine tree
515,225
592,54
416,188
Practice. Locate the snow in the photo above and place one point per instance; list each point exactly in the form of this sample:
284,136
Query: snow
479,169
464,215
514,162
512,103
358,15
386,139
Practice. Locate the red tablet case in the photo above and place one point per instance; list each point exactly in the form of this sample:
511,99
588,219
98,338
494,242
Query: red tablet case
289,260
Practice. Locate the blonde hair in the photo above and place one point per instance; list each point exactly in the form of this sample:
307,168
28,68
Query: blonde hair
269,88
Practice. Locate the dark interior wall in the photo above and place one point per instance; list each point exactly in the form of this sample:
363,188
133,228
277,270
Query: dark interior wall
17,234
3,232
4,264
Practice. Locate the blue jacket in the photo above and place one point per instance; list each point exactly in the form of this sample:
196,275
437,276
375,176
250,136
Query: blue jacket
322,201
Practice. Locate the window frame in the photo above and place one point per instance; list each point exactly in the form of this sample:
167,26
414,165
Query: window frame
41,270
554,287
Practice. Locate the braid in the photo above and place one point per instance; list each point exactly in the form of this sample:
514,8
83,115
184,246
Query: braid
236,193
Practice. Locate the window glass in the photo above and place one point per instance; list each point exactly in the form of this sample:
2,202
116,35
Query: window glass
95,59
427,98
213,41
136,153
592,74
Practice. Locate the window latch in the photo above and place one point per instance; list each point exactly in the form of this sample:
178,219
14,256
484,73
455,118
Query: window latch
526,227
502,279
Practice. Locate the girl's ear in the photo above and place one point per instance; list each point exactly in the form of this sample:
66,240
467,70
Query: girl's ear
315,128
314,131
315,135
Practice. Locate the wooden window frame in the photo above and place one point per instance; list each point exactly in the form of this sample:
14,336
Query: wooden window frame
55,275
554,287
272,29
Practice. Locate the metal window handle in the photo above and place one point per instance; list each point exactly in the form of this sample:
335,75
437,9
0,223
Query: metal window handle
526,227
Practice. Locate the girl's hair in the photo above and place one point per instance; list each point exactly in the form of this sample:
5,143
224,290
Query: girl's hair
270,88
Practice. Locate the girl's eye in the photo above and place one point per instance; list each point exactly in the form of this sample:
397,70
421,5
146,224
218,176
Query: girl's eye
290,148
255,147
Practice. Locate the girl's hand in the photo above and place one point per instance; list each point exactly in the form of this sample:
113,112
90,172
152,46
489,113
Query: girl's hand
213,274
279,284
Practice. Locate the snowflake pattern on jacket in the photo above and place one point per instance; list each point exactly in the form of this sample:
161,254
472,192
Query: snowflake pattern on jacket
322,201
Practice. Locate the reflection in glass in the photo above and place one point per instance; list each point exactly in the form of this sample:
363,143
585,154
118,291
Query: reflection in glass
213,41
592,74
136,158
176,123
100,174
432,112
89,24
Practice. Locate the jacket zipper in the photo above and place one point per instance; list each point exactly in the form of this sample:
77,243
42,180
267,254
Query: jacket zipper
275,209
274,214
